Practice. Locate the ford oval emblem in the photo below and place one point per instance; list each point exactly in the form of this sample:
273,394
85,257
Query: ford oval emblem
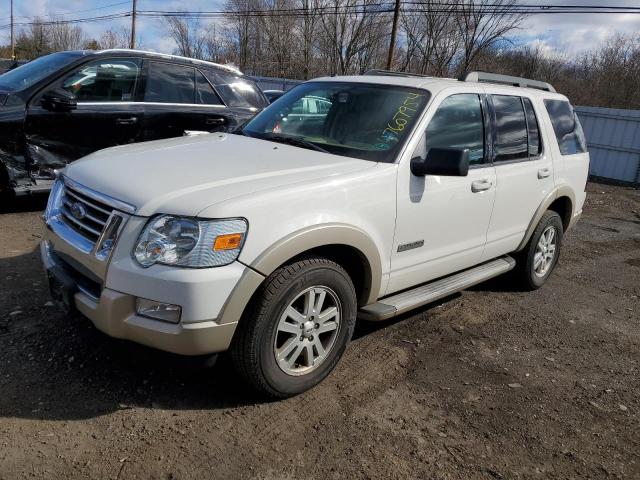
78,211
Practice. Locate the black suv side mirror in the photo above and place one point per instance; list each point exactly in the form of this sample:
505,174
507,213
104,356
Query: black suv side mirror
59,100
450,162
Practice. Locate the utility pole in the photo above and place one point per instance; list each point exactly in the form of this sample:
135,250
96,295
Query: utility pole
13,45
394,31
133,25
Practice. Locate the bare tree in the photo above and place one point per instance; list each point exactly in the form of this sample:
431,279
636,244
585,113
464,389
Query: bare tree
482,23
188,35
351,30
433,40
64,36
116,38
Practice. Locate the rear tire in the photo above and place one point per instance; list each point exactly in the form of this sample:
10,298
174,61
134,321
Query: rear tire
540,256
297,328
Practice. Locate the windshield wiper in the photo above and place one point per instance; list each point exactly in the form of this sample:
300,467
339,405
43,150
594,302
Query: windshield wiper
295,141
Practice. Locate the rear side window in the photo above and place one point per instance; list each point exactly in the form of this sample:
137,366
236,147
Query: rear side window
237,90
535,143
205,93
566,127
167,83
458,123
511,129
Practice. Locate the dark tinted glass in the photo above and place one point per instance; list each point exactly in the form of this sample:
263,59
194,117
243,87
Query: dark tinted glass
237,91
511,135
167,83
32,72
535,143
205,92
566,127
458,124
105,80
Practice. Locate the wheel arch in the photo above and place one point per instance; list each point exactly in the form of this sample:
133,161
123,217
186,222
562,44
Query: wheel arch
560,200
346,245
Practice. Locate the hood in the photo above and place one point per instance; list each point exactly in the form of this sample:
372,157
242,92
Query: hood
182,176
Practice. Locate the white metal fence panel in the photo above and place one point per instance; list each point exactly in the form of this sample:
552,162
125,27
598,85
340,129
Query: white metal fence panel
613,138
272,83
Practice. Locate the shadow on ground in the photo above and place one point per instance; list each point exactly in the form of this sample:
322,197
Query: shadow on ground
31,203
42,349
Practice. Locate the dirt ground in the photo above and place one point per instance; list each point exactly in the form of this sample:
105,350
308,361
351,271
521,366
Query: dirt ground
492,383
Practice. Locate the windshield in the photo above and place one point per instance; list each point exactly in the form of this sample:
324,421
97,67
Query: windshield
30,73
358,120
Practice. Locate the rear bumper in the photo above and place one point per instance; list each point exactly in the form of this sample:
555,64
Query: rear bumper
114,314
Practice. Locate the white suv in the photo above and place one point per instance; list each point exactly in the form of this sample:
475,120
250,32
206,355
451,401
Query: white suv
270,242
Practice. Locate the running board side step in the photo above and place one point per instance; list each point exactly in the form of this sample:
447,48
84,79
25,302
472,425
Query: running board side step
403,302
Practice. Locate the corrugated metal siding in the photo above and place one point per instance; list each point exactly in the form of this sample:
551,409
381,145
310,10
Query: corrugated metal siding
613,137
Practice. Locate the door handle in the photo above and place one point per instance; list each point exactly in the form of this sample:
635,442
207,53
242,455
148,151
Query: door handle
215,121
481,185
544,173
126,121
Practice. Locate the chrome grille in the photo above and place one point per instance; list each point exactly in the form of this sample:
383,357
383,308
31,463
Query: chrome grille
85,215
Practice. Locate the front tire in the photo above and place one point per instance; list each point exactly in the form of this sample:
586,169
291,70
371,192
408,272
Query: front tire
297,327
540,256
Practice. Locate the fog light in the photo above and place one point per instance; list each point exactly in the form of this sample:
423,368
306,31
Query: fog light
166,312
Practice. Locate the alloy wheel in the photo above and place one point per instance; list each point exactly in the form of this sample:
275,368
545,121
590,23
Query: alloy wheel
307,330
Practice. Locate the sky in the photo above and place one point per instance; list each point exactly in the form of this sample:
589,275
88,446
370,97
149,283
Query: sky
566,34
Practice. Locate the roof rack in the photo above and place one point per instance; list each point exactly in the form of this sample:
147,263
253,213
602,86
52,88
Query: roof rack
391,73
484,77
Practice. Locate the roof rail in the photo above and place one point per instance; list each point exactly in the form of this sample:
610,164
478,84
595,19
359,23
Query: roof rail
484,77
391,73
169,56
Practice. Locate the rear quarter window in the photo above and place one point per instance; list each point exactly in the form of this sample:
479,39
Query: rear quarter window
237,90
566,126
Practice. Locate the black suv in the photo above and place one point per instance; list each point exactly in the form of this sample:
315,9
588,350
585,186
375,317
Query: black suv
66,105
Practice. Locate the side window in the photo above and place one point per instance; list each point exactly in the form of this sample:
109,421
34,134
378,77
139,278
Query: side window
511,128
535,143
105,80
237,90
204,92
458,123
168,83
566,127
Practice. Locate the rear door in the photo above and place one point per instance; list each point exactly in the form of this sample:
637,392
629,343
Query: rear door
524,170
179,100
107,113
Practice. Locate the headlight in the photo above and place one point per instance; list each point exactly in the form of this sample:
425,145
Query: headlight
189,242
54,198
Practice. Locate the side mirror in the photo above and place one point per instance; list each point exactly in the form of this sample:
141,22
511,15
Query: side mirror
449,162
59,100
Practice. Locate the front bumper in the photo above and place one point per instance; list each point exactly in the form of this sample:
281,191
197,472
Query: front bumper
113,312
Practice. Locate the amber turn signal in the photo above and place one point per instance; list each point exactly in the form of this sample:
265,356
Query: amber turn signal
228,242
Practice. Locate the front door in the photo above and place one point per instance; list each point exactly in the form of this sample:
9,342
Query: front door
442,221
106,114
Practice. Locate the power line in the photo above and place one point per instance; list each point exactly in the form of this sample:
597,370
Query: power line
438,8
71,21
104,7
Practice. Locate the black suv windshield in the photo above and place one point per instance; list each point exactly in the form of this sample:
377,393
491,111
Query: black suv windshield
30,73
358,120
